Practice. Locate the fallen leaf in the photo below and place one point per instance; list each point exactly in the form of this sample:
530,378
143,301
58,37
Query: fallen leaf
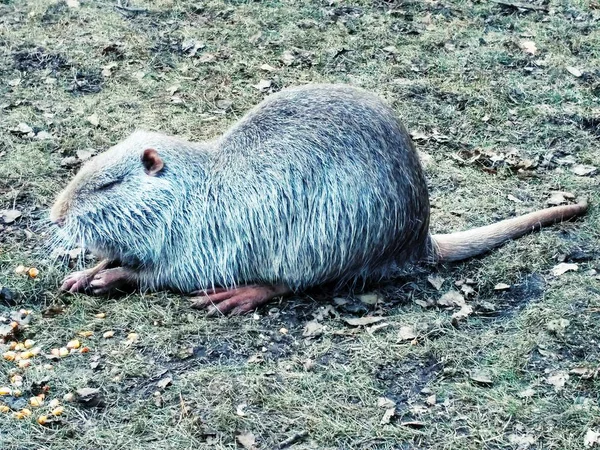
585,373
240,409
22,128
574,71
93,119
391,49
288,58
84,155
10,215
431,400
89,396
267,68
263,85
166,381
558,326
107,69
369,299
224,104
14,82
527,393
512,198
312,329
522,441
464,312
561,268
73,3
387,416
583,170
436,281
558,198
501,287
528,47
451,298
43,135
558,380
482,376
591,437
247,440
207,58
367,320
467,290
384,402
407,333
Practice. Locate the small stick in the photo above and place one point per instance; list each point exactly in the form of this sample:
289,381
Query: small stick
293,439
521,5
130,9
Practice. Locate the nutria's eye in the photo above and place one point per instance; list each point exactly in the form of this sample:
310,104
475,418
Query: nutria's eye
107,185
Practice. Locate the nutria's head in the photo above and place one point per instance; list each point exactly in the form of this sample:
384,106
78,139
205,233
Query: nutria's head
121,201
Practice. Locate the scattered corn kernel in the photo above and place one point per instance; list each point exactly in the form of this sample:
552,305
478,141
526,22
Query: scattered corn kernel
36,350
4,408
27,354
283,330
42,420
20,269
23,413
86,333
57,411
14,325
54,403
48,366
133,337
23,364
69,397
73,344
33,272
36,401
16,393
20,347
84,350
9,356
16,379
63,351
12,345
5,391
108,334
100,315
28,343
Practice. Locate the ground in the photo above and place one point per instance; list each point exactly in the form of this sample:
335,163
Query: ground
503,103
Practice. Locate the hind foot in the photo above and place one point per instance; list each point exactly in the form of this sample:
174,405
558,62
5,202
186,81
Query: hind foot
80,281
236,301
119,279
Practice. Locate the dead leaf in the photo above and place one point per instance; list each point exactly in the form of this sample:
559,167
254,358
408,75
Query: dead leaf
288,58
387,416
107,69
22,128
467,290
501,287
312,329
583,170
527,393
512,198
436,281
528,47
407,333
361,321
591,437
384,402
558,380
207,58
558,326
166,381
561,268
369,299
14,82
43,135
84,155
10,215
522,441
93,119
431,400
224,104
391,49
482,376
558,198
425,158
451,298
73,3
89,396
574,71
240,409
585,373
247,440
263,85
464,312
267,68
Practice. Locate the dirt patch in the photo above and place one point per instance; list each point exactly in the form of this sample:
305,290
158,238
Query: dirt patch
39,59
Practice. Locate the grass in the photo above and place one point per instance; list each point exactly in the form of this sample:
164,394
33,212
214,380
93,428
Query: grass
456,75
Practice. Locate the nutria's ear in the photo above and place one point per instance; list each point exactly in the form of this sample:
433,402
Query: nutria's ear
152,162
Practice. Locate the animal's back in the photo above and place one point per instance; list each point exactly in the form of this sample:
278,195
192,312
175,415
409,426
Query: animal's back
317,184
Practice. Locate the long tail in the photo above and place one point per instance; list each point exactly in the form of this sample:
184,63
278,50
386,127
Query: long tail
464,244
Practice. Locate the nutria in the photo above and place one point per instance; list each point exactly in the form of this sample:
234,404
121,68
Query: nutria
316,184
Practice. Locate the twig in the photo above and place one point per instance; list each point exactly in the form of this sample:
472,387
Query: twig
293,439
521,5
130,9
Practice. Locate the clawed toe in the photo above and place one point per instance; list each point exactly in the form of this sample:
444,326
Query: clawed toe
236,301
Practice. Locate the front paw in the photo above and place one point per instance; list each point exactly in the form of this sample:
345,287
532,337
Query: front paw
106,281
76,282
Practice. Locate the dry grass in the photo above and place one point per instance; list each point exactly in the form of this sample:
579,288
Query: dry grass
458,76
